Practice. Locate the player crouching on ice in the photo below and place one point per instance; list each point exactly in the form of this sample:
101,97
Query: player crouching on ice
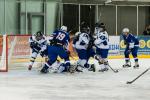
102,45
38,45
58,46
132,45
81,44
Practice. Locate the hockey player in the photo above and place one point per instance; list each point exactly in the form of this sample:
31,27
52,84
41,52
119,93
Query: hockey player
132,45
38,45
84,49
102,45
58,46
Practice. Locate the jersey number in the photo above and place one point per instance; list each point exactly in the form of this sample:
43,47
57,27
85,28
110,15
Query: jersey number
60,36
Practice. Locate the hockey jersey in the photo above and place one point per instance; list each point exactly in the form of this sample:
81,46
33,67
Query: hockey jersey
81,41
60,38
130,40
102,40
38,44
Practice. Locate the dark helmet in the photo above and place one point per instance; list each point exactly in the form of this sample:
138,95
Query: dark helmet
85,29
39,34
100,25
97,24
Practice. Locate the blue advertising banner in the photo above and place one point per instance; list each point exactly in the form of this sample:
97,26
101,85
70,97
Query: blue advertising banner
144,47
114,47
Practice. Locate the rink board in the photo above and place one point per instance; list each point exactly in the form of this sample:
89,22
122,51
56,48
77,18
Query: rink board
21,51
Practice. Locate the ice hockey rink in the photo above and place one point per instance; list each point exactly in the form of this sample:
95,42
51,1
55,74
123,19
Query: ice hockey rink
31,85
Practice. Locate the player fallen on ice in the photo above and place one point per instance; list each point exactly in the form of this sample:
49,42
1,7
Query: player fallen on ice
132,45
38,45
58,46
82,44
102,45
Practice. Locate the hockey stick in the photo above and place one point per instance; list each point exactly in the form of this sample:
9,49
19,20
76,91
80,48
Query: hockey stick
98,59
114,70
130,82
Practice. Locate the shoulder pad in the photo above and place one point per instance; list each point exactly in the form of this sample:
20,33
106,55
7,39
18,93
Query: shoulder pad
103,32
130,34
77,33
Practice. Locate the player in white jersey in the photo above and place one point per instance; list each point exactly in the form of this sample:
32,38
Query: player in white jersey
81,44
102,45
38,45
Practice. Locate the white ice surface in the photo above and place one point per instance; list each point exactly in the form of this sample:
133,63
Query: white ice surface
25,85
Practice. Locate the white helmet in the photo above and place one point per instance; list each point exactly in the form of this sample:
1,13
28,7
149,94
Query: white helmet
64,28
125,30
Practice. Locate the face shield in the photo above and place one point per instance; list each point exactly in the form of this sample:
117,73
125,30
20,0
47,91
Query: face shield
39,37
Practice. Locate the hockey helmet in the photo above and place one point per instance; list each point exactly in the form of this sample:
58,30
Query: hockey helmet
63,28
125,30
85,29
39,35
97,24
100,26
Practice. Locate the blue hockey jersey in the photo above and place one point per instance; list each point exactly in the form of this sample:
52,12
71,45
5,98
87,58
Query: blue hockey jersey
61,37
130,39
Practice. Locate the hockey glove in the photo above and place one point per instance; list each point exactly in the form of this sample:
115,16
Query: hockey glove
42,53
131,45
33,44
82,43
105,42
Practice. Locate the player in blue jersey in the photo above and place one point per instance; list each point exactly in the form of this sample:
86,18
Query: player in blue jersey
132,45
58,46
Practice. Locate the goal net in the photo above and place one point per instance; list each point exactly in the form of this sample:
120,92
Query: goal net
15,52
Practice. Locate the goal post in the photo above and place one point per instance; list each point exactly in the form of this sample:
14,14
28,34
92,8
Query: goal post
3,55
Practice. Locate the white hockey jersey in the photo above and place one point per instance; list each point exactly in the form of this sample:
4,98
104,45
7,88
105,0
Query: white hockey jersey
82,42
102,40
40,43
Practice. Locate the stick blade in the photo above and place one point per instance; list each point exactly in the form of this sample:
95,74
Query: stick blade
116,71
129,82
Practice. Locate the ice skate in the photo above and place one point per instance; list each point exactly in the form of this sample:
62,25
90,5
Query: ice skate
103,69
79,68
29,67
127,65
136,66
92,68
44,70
